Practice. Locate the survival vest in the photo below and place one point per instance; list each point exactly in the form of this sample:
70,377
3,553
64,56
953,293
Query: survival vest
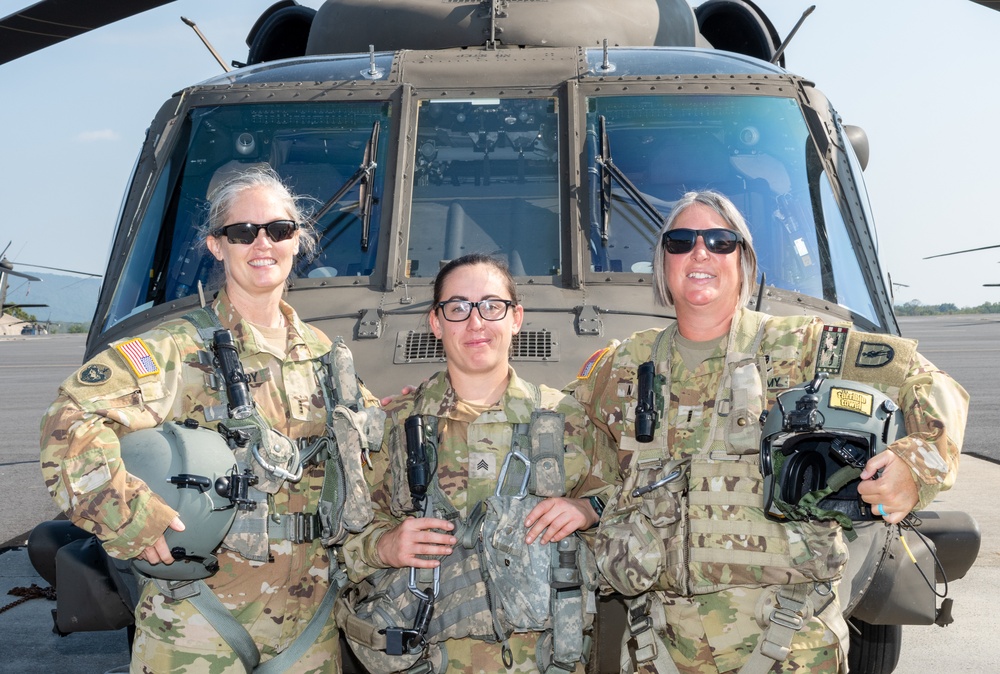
492,584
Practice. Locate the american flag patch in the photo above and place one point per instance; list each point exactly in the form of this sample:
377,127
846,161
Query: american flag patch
137,355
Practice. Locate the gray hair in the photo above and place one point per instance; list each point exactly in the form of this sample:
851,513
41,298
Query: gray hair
224,196
733,218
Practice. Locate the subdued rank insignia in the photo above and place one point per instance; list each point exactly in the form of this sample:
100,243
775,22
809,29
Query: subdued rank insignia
482,465
92,375
830,358
875,354
851,400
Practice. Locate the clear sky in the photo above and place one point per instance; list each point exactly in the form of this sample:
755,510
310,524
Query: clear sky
919,75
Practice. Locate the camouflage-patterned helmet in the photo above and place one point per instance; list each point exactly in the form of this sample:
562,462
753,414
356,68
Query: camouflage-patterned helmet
192,469
816,440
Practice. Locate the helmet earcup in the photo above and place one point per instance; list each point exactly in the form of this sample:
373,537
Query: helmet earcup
803,472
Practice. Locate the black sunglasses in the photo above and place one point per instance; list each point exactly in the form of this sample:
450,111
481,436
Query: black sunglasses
719,241
246,232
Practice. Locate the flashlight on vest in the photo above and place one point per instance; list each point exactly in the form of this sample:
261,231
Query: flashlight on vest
645,411
237,390
416,459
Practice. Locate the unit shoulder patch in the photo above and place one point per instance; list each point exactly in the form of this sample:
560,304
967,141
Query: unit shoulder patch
590,366
95,374
874,354
830,358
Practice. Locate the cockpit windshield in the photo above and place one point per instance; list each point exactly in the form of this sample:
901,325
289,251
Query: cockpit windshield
754,149
486,180
319,149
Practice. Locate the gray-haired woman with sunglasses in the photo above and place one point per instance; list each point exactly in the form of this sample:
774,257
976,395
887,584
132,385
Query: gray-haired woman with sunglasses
273,565
686,537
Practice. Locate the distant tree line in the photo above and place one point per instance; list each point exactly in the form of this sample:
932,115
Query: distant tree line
915,308
51,327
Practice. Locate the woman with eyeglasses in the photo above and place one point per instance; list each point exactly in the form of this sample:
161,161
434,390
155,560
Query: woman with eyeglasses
714,582
274,564
481,486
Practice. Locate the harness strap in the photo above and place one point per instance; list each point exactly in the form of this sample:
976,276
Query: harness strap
787,616
645,619
236,635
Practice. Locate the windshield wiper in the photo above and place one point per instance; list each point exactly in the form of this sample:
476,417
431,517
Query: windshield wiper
611,172
365,174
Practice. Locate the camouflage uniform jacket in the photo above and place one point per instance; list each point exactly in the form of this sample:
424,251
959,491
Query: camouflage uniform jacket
708,531
109,397
470,454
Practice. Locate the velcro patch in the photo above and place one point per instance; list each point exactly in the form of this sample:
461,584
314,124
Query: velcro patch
832,343
482,465
591,365
851,400
95,374
874,354
137,355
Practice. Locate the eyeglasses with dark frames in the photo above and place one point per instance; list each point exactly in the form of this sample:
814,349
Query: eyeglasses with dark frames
457,311
246,232
719,241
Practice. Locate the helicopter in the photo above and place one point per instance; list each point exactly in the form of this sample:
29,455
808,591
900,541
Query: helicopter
972,250
6,271
556,135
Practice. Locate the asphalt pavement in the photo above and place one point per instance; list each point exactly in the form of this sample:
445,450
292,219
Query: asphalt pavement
31,368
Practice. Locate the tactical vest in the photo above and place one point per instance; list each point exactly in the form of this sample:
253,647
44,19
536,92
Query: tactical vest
703,528
696,525
352,429
493,584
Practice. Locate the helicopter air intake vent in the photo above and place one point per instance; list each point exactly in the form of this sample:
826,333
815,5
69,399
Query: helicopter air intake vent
423,347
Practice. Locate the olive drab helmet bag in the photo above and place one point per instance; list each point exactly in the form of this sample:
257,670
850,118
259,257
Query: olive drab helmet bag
194,471
815,442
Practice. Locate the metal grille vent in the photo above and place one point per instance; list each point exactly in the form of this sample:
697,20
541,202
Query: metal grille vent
424,347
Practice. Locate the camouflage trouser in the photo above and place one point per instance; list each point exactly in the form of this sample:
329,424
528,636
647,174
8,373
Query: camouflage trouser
172,637
716,633
471,656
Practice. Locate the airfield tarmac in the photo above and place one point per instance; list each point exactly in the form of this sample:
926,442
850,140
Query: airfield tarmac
31,368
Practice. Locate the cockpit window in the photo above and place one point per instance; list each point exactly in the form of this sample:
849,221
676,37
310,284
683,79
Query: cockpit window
757,151
486,180
317,148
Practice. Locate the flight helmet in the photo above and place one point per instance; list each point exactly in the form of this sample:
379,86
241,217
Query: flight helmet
194,471
815,442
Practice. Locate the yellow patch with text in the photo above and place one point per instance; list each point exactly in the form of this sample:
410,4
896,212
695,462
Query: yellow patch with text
851,400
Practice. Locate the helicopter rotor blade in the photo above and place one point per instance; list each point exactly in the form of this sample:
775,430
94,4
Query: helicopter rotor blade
49,22
959,252
68,271
19,274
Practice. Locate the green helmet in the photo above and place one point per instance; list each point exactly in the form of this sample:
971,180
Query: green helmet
815,442
194,471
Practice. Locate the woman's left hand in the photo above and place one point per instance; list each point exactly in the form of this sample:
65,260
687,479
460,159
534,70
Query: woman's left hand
558,517
893,494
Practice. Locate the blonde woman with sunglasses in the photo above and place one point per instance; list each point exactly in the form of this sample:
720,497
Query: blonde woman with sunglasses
270,579
714,583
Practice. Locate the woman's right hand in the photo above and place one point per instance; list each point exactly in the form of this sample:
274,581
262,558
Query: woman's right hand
413,540
159,552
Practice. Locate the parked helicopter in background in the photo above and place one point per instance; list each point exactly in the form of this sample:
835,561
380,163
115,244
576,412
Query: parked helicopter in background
971,250
6,271
556,135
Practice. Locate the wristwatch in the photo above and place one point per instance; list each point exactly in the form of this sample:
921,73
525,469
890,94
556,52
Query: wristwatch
597,503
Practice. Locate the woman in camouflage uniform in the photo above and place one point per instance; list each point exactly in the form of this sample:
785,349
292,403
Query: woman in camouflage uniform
161,376
477,402
686,535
